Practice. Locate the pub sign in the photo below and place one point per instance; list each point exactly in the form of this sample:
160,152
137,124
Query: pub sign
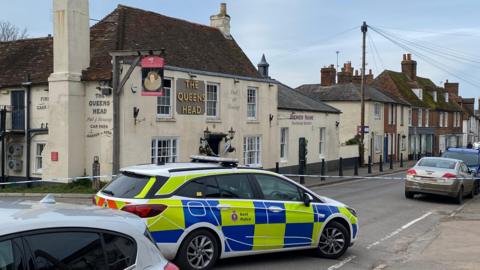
152,76
190,97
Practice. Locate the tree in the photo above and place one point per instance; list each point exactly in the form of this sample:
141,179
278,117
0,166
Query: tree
10,32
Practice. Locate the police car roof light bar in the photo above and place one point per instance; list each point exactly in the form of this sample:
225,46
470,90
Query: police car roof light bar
226,162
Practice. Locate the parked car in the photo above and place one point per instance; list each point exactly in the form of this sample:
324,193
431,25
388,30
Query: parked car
59,236
471,157
199,212
441,176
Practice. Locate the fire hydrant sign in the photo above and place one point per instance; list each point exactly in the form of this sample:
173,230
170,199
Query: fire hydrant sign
152,76
190,97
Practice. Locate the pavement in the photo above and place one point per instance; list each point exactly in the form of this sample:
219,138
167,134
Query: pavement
332,177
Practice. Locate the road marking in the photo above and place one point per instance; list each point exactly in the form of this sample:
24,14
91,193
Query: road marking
380,267
16,201
342,263
399,230
456,211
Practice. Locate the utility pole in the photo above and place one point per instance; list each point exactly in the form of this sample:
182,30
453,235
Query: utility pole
364,29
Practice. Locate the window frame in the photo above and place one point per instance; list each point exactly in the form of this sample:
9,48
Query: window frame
322,142
255,191
38,170
26,248
377,111
402,117
245,143
171,105
378,143
410,117
420,118
261,196
255,104
217,101
154,159
427,118
284,135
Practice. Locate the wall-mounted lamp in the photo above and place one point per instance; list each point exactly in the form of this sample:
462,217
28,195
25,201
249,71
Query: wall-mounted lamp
192,76
236,80
337,123
135,114
105,88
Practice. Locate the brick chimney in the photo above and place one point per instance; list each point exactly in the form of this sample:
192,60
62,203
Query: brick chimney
452,90
221,21
409,67
345,76
469,103
327,75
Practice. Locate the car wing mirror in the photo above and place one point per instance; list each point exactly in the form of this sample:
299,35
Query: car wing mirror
307,199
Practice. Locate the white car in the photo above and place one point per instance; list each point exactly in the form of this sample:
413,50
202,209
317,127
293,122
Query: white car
61,236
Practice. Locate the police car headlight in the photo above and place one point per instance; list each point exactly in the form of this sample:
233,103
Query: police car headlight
352,211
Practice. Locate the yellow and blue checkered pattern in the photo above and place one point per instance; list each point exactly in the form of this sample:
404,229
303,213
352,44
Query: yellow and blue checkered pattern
246,225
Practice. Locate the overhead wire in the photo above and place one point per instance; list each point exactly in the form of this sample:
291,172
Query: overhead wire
424,57
372,54
437,52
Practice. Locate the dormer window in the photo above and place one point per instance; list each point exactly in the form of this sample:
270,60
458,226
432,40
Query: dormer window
434,93
446,97
418,92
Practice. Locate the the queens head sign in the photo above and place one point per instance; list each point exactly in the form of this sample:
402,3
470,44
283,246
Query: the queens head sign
152,76
190,97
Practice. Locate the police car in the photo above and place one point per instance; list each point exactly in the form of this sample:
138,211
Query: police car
209,209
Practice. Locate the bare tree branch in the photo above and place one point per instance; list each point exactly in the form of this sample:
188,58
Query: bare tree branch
9,32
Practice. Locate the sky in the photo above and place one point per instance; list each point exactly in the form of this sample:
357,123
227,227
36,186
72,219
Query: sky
301,36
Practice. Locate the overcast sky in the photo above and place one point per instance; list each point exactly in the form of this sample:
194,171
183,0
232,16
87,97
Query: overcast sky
299,37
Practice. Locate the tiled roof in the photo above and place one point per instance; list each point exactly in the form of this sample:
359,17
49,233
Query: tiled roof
22,57
289,99
188,45
345,92
405,86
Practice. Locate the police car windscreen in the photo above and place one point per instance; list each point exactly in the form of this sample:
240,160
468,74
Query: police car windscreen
126,185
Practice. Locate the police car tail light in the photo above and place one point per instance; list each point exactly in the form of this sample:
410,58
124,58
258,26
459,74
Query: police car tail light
145,210
171,266
449,175
411,172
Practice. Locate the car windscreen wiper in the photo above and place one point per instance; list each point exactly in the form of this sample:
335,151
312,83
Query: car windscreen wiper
109,192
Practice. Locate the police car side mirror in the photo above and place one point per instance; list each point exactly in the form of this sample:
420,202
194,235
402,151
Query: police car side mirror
307,199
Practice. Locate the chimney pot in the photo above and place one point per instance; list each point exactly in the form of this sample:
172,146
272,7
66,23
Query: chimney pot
223,9
327,76
221,21
409,67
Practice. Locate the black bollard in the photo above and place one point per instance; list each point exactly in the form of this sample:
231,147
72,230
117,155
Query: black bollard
355,168
369,164
340,167
277,167
391,162
381,163
322,170
440,153
401,160
419,156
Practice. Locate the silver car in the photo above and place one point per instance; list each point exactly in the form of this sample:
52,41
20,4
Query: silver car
61,236
441,176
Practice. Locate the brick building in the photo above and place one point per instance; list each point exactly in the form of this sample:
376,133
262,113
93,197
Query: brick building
435,118
385,114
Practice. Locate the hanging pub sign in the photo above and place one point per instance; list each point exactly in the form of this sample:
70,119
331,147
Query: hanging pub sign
152,76
190,96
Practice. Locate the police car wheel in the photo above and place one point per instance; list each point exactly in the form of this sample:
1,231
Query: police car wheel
334,241
198,251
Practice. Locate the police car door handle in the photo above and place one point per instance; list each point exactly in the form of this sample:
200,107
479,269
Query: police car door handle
275,209
223,206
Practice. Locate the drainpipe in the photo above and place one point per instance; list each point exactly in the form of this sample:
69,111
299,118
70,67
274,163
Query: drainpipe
28,88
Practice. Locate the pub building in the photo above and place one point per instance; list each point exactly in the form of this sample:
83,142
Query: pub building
137,87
